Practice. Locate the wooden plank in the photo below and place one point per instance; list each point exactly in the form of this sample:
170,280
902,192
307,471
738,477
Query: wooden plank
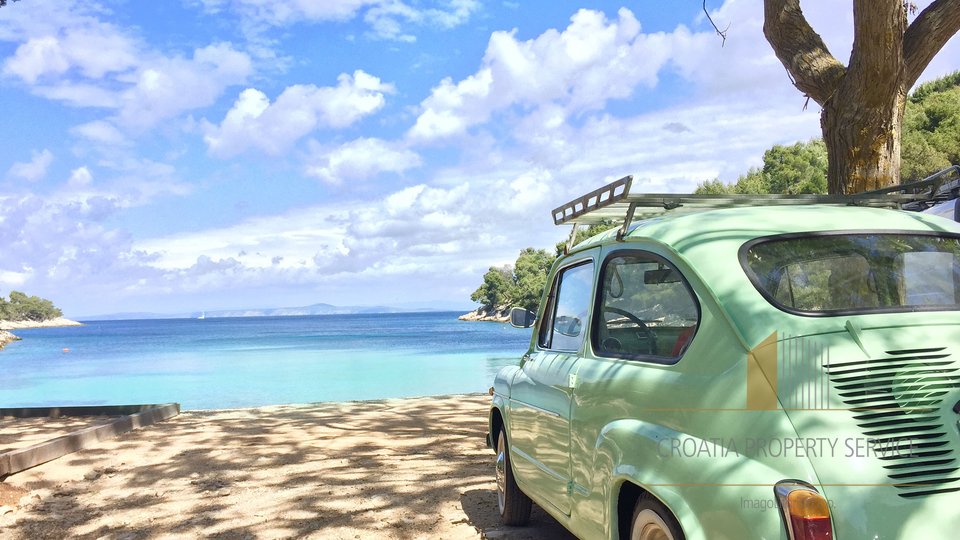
73,410
15,461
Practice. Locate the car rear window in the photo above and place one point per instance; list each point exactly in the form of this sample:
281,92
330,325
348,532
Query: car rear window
856,273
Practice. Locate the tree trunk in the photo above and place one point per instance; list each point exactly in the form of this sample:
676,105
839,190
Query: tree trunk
862,103
862,134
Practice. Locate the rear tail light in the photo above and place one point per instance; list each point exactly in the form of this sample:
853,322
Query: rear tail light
806,513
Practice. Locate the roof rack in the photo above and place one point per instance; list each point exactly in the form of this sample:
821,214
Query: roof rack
614,202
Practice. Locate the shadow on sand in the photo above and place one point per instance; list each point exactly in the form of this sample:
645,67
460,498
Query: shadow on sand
413,468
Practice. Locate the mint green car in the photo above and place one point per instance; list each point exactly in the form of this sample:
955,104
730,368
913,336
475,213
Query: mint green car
760,372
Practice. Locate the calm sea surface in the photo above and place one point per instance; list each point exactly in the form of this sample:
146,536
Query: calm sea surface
246,362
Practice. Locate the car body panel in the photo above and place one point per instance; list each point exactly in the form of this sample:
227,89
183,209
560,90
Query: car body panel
621,412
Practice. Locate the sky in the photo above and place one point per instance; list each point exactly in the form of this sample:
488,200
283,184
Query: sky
195,155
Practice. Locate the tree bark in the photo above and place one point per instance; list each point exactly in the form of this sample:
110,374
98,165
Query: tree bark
863,103
863,144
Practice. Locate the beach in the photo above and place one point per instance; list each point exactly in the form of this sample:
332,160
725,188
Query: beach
397,468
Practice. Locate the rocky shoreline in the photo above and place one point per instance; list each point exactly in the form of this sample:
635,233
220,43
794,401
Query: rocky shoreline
5,326
500,315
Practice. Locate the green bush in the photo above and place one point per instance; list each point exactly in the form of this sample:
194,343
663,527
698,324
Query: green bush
21,307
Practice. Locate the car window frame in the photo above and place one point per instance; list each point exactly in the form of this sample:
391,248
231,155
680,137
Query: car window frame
546,321
754,279
597,315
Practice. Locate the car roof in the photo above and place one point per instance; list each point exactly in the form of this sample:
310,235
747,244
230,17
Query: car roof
709,242
683,231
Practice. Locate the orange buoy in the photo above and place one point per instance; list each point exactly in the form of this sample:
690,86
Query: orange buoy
66,349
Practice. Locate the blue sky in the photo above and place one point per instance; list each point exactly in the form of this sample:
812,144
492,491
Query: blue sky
211,154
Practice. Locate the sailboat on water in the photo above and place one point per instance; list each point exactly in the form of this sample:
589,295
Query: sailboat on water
203,315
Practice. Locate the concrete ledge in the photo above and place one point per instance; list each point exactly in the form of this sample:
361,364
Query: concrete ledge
134,416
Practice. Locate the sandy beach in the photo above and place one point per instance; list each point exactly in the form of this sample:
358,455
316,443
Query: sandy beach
406,468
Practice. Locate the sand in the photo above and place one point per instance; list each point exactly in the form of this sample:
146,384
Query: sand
405,469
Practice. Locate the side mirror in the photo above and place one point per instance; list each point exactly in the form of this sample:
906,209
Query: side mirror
522,318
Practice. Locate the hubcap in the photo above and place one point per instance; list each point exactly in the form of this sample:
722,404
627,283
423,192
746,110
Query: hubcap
501,473
650,526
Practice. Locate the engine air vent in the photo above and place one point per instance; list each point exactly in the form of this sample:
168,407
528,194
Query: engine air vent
896,402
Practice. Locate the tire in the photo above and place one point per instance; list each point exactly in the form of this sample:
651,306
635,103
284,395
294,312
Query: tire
514,504
653,521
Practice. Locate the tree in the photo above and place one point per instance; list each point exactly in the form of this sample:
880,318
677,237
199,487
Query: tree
530,274
931,128
863,102
498,288
794,169
584,234
21,307
4,2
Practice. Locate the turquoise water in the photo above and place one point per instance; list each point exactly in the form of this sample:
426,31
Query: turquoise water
248,362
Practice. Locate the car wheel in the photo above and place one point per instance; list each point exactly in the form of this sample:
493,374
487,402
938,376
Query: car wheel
514,504
652,521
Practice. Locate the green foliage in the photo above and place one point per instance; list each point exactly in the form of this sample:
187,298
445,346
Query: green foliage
21,307
714,187
518,285
942,84
584,234
498,288
794,169
530,276
930,139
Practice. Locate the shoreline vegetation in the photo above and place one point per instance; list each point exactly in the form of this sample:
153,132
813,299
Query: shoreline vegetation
483,314
21,311
5,326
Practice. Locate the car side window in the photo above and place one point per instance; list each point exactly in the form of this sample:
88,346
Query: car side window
565,324
646,308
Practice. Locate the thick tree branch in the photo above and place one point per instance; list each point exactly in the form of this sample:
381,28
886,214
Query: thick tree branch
928,34
878,29
815,71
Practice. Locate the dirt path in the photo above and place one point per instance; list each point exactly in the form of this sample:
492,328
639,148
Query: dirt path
405,469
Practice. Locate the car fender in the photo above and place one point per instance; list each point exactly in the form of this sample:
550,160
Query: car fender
633,451
501,398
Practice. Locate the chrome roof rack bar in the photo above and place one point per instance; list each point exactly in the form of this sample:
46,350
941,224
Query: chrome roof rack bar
609,194
615,202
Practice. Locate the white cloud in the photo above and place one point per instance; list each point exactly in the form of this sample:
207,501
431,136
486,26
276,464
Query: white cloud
67,53
37,57
165,87
283,12
590,62
253,122
359,159
388,19
80,177
102,132
80,42
35,169
50,244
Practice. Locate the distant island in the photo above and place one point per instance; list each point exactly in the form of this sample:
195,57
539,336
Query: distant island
313,309
22,311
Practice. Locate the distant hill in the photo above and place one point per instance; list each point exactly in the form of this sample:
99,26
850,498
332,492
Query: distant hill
314,309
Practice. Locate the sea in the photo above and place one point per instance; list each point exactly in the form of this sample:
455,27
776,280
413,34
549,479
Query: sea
223,363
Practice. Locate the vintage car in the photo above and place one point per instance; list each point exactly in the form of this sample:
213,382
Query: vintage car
775,368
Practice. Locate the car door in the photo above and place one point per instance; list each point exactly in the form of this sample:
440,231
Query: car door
541,393
646,317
